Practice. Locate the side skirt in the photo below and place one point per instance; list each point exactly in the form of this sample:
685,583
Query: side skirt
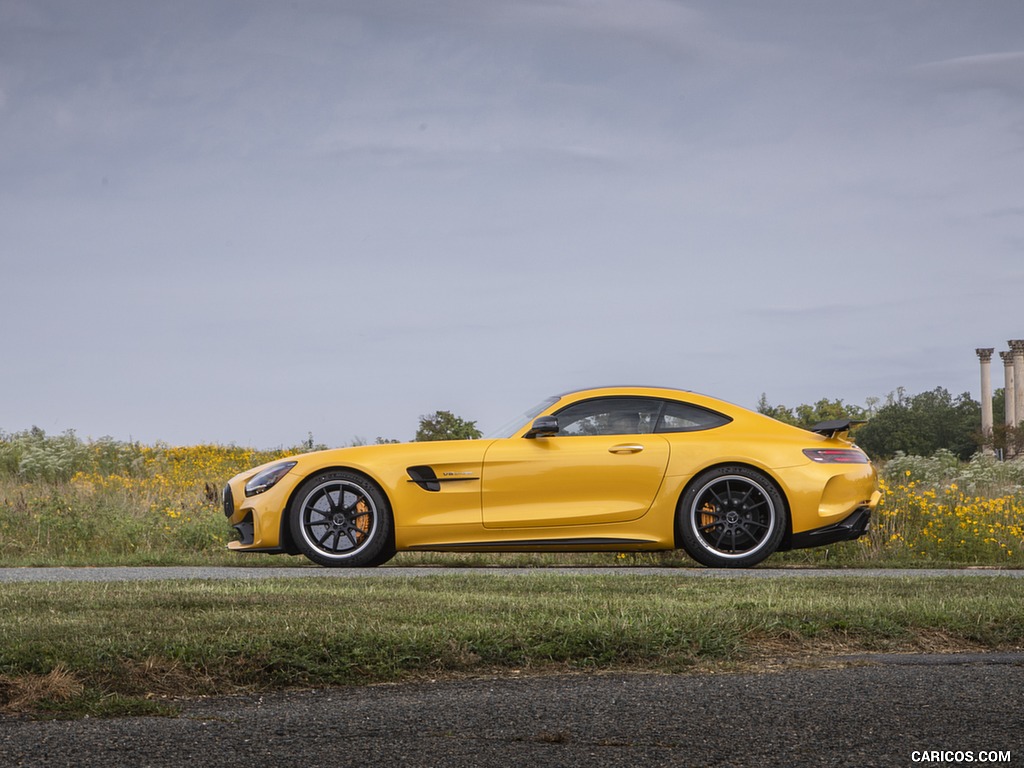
549,545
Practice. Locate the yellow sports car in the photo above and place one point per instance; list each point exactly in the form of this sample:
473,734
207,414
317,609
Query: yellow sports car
622,469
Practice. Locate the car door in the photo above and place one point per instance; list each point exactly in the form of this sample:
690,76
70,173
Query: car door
603,466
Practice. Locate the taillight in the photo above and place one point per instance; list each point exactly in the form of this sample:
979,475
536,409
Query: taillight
836,455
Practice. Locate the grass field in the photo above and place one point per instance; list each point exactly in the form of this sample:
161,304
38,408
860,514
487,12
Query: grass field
70,649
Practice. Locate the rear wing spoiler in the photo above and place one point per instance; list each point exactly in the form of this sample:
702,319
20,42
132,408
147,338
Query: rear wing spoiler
835,427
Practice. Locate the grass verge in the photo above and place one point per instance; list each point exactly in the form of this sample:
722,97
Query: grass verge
71,649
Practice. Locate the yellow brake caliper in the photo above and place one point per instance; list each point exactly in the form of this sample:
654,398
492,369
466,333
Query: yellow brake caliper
707,515
363,520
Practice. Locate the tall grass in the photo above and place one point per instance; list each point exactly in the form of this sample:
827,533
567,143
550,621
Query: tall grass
67,501
940,509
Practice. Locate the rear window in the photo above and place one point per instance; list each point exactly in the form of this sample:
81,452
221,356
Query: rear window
683,417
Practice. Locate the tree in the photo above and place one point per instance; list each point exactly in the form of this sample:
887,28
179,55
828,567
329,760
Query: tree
807,416
918,425
777,412
921,424
358,441
444,425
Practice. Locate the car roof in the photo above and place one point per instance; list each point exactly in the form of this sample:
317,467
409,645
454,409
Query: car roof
623,386
644,390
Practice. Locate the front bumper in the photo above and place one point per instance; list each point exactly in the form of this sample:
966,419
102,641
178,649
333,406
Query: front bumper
256,526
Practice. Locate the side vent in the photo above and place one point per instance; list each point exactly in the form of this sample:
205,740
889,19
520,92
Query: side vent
425,478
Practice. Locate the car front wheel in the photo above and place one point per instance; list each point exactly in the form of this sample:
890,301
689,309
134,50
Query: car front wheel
341,518
731,517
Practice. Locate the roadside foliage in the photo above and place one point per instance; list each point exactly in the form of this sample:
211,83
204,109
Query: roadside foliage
65,501
939,509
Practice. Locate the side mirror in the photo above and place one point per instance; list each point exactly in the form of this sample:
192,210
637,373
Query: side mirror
545,426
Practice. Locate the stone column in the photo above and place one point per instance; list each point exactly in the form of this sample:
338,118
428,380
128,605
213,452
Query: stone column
1017,348
985,356
1009,409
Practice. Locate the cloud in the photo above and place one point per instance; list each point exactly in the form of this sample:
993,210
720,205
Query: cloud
649,20
1002,72
1011,212
702,193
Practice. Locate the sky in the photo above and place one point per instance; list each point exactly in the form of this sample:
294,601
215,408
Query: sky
245,221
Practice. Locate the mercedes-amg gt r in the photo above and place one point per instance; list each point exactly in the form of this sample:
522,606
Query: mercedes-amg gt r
620,469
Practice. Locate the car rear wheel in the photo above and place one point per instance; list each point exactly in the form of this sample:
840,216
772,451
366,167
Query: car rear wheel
731,517
342,518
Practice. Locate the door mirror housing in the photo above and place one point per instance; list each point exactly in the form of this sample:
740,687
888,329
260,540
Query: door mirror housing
544,426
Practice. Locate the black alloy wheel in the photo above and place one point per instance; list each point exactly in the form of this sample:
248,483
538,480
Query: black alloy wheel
731,517
341,518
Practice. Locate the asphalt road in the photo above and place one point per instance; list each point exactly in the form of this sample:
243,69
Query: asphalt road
860,714
295,572
850,711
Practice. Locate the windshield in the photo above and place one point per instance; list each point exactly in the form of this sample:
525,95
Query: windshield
513,426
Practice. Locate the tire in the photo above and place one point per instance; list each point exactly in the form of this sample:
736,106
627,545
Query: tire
340,518
731,517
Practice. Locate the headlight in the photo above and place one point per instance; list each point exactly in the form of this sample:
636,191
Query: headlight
266,479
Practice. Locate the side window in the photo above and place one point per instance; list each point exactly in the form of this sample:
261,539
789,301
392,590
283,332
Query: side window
681,417
610,416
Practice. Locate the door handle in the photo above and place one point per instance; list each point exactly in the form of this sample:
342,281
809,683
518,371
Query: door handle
626,448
